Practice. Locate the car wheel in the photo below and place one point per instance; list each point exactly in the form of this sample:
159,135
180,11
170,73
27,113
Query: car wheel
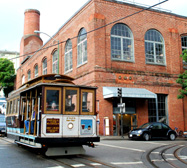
172,137
146,137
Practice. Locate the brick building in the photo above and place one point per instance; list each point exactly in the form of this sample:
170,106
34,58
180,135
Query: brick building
139,53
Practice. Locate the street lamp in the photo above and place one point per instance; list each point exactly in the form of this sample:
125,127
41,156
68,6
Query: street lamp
36,31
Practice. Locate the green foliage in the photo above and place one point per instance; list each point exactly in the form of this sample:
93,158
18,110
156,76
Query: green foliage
7,75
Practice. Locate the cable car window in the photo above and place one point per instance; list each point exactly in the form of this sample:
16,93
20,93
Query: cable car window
87,102
14,106
71,101
10,112
7,110
52,100
18,105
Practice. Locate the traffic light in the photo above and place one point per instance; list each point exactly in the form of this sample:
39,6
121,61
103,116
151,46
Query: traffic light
119,92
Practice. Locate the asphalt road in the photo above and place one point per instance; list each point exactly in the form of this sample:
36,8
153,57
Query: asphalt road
110,152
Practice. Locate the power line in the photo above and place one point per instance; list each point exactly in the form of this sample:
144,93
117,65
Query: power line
147,8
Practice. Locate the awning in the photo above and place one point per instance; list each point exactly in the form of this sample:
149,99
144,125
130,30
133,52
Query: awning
109,92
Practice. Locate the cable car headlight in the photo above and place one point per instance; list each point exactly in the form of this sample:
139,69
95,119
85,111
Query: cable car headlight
70,125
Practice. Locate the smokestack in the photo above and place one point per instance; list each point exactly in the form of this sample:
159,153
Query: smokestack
32,21
30,41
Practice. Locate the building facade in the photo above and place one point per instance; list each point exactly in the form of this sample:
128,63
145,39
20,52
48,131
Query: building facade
105,44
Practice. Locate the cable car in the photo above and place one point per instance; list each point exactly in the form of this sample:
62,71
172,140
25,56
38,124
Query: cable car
53,114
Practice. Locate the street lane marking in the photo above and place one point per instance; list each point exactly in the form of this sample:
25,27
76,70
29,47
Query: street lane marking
171,159
157,160
183,157
56,167
167,154
78,165
112,146
126,163
96,164
155,143
155,152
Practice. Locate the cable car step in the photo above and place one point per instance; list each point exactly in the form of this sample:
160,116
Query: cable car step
29,145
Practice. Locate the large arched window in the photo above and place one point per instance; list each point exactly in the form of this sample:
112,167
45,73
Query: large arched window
55,62
36,70
154,47
122,47
44,66
29,75
82,47
68,57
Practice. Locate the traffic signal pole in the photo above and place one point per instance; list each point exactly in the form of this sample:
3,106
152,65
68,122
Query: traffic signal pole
121,112
121,109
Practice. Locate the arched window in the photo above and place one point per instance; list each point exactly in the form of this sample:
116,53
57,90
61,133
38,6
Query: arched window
44,66
68,57
122,47
36,70
29,75
55,62
154,47
82,47
23,79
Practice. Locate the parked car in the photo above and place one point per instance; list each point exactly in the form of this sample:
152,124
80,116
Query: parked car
2,105
2,124
152,130
3,109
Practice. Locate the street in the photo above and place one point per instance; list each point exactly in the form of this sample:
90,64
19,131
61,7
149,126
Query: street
110,152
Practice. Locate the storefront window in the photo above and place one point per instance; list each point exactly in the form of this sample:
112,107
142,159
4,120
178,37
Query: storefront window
161,109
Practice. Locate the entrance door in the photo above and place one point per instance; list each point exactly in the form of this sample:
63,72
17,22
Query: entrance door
129,122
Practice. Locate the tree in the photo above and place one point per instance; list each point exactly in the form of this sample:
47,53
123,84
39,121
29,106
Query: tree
182,79
7,75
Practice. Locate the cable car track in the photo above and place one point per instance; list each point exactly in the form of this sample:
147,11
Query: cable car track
81,160
166,156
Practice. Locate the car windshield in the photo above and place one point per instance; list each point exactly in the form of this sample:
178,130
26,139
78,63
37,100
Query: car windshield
144,125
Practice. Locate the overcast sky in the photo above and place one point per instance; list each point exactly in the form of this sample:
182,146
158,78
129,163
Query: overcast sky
53,14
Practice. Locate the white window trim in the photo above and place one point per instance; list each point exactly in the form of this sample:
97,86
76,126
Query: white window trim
44,69
164,56
66,57
55,63
121,39
82,56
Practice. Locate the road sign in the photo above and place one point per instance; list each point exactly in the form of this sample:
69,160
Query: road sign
122,106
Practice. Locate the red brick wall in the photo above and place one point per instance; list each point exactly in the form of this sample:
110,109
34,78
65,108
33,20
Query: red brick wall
101,71
142,111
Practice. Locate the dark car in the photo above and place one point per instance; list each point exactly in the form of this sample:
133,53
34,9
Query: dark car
2,124
153,130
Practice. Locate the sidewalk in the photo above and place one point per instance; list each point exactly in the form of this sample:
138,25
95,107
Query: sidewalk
125,137
114,137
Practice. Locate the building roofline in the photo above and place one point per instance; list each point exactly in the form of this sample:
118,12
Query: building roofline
137,5
8,52
143,6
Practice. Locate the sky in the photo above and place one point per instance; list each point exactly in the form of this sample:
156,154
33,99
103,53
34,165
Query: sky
53,14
